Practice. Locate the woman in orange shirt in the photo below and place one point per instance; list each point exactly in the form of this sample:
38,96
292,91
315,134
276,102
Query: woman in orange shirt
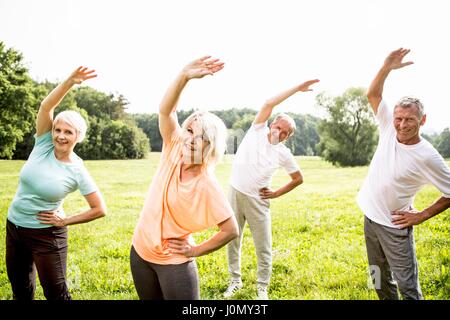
184,197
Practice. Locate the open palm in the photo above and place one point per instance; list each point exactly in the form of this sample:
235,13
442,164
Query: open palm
202,67
394,59
82,74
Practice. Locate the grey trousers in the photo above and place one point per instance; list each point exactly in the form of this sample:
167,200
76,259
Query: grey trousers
392,259
256,212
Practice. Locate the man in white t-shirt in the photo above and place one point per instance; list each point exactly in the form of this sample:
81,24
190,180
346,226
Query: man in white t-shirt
403,163
259,155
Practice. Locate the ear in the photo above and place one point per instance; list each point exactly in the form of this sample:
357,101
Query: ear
424,119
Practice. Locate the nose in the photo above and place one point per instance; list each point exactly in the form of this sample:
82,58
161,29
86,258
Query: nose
403,124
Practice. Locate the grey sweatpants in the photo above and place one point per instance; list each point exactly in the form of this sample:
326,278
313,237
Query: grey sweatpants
392,260
257,212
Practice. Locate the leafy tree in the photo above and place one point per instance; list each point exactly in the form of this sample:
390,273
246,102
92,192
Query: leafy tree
443,143
18,100
99,104
348,136
306,137
149,125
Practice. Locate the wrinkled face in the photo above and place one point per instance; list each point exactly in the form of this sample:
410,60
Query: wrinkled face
407,124
279,131
196,143
64,137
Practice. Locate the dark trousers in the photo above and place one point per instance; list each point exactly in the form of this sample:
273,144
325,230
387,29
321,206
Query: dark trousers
164,282
44,250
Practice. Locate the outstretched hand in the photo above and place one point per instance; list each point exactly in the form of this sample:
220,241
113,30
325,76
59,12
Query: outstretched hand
305,85
394,59
81,74
202,67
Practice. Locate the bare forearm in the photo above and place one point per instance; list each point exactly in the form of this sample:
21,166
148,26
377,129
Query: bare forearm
215,242
377,85
170,99
276,100
288,187
439,206
55,97
92,214
267,109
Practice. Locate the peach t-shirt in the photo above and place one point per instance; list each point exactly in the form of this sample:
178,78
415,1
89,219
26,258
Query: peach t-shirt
176,209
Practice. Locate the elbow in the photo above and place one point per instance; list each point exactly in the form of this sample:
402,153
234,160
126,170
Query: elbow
371,95
299,181
101,213
268,104
234,232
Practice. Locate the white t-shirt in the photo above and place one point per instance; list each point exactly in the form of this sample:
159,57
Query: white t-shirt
398,171
256,161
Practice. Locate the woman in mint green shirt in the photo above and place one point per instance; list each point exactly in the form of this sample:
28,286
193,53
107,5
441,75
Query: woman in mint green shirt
36,230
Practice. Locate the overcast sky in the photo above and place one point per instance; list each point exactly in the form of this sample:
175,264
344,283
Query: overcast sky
137,47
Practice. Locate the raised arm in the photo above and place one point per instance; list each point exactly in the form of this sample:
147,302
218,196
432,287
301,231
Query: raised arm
266,110
167,109
393,61
44,120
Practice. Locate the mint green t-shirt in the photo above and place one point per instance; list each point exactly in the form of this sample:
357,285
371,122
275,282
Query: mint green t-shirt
44,182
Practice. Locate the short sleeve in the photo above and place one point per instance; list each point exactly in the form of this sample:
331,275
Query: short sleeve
86,184
288,162
384,116
42,144
437,173
258,126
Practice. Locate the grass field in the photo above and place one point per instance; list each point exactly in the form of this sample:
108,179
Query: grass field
318,242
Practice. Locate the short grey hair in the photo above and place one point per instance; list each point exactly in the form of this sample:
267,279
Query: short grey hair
289,119
408,102
75,120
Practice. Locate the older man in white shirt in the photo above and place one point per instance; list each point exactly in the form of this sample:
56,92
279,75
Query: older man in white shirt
403,163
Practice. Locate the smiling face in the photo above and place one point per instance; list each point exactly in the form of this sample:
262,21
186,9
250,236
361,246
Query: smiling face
280,130
64,137
407,123
195,143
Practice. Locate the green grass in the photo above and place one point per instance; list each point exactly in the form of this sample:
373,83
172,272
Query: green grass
318,242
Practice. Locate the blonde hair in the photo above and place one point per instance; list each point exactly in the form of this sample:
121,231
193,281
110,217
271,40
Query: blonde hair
75,120
215,132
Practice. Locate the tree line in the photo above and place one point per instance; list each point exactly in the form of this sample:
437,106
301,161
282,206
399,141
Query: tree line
346,136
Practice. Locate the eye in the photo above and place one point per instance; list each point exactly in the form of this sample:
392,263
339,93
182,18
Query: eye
190,130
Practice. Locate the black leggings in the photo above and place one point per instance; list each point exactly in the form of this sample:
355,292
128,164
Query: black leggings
164,282
44,249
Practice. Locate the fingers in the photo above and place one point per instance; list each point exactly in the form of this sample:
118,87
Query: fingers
406,64
397,218
46,218
265,193
203,58
310,82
